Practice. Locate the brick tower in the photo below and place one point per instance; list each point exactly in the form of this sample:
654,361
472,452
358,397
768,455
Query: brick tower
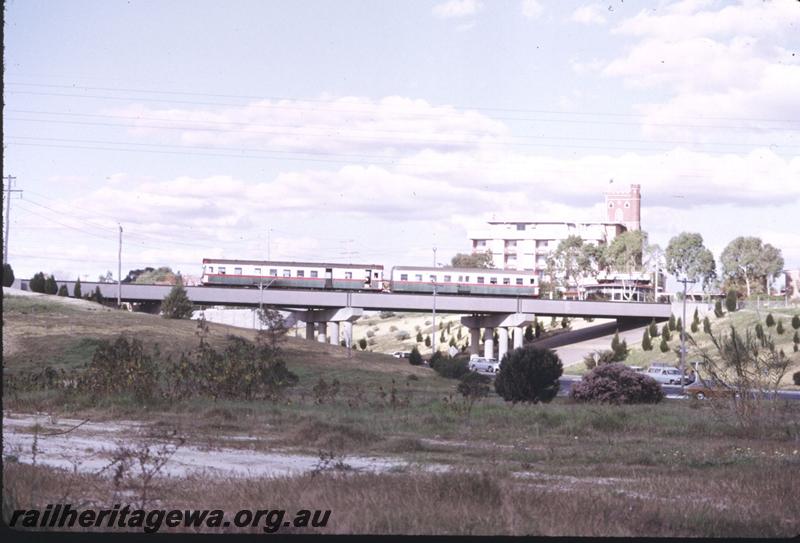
625,207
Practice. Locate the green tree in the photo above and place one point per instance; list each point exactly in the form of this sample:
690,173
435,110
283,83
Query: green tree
796,337
653,329
647,344
731,301
76,292
36,283
473,387
428,340
679,324
665,333
759,331
363,343
673,325
770,320
62,290
97,296
273,326
50,285
779,328
415,359
176,304
529,333
695,322
569,262
748,261
419,336
625,251
796,322
718,312
663,346
686,256
529,374
452,341
8,275
475,260
706,325
442,339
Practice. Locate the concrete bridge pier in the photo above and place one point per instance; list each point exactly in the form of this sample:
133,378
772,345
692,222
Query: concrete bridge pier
502,322
488,342
333,332
502,339
348,333
328,321
310,331
322,332
519,335
474,340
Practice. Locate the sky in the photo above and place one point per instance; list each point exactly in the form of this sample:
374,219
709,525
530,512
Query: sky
372,131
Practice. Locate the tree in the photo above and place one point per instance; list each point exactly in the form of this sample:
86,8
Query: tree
475,260
473,387
779,328
107,278
796,322
442,339
706,325
748,261
616,384
665,333
626,250
647,344
663,346
529,333
731,301
718,312
62,290
686,256
36,283
770,320
273,326
569,262
50,285
653,329
415,359
673,325
97,296
8,275
363,343
695,322
619,348
76,292
419,336
176,304
529,374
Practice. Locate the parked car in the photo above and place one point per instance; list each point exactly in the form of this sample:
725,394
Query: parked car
710,388
401,354
665,375
489,365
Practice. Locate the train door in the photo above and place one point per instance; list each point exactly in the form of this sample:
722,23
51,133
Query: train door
328,277
368,279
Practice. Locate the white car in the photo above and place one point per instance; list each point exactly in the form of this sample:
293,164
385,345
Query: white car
665,375
489,365
401,354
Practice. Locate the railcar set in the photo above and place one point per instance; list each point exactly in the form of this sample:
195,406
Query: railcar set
368,277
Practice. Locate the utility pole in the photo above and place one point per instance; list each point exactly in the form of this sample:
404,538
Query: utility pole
433,332
683,332
119,269
8,190
269,230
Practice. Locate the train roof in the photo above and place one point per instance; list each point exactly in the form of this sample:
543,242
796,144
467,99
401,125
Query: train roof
295,264
465,270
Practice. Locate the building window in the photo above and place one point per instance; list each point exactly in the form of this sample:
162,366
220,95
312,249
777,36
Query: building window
314,273
447,278
519,281
480,243
237,271
273,272
301,273
258,271
287,273
404,277
348,275
480,280
222,270
506,280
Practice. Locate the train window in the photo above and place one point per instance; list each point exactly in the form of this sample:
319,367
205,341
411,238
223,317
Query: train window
493,280
533,281
258,271
222,270
480,280
301,273
313,273
237,271
348,275
287,273
418,277
519,280
432,277
506,280
375,275
211,269
460,278
447,278
466,278
404,277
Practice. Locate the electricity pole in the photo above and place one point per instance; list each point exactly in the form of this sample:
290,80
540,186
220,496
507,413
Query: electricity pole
433,332
119,269
683,332
8,190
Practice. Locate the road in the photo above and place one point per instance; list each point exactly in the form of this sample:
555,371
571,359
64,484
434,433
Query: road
573,346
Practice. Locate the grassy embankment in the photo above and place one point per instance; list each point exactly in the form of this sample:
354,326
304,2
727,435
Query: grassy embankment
673,469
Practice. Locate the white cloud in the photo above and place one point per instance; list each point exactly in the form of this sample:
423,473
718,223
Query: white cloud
457,8
590,14
532,9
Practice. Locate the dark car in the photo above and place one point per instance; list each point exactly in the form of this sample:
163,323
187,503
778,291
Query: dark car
711,388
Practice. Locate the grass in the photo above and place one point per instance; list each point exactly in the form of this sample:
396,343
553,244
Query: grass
679,468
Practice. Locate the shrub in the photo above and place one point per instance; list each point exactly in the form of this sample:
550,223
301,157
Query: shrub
62,290
529,333
176,304
402,335
415,359
50,285
529,374
8,275
731,299
779,328
363,344
36,284
419,337
386,314
473,387
121,367
451,368
796,322
718,309
796,378
370,333
770,320
76,292
706,325
663,346
393,328
647,344
428,341
759,331
616,384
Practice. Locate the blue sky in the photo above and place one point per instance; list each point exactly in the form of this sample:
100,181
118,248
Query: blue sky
374,131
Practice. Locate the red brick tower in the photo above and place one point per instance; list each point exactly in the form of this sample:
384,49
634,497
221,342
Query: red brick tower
625,207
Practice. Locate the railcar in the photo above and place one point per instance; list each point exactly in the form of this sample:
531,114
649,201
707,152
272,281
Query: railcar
274,274
465,281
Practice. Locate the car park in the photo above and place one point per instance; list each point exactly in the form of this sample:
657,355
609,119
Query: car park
488,365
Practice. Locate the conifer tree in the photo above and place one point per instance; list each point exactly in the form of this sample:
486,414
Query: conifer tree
731,301
672,323
50,285
770,320
706,325
419,337
665,335
779,328
664,346
718,309
62,290
647,344
695,322
653,329
77,290
176,304
796,322
428,341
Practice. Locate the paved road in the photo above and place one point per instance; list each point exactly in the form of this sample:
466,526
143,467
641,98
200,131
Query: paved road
573,346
